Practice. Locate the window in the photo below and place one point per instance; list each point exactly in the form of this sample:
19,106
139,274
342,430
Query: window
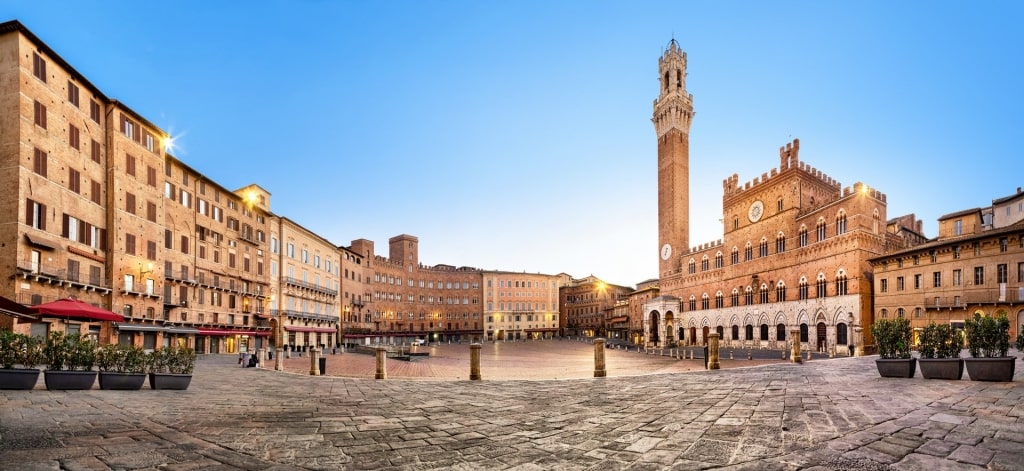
841,223
885,313
73,94
719,300
692,266
956,252
1020,272
937,279
979,276
803,237
129,165
95,154
74,181
94,110
38,67
735,256
748,296
780,292
35,215
821,230
780,243
1003,243
884,287
734,300
763,292
762,248
718,260
917,281
748,253
129,203
129,244
958,227
899,283
822,286
40,115
1001,273
704,301
73,137
841,284
96,195
779,205
704,263
957,278
39,159
803,289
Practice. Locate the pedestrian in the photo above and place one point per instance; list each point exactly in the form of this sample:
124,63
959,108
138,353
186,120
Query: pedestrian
852,349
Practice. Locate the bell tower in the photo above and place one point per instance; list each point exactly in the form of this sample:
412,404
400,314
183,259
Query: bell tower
673,111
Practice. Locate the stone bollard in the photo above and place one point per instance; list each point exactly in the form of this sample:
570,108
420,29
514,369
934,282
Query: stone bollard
808,355
750,354
713,363
795,356
314,363
278,360
474,362
599,370
832,352
783,354
730,354
382,358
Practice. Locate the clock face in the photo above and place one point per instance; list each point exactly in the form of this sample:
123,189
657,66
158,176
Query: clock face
756,211
666,251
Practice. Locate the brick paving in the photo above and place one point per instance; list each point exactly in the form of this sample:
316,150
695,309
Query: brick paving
650,414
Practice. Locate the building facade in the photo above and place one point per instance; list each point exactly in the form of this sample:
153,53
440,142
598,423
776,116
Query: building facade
520,306
974,266
306,279
586,304
794,255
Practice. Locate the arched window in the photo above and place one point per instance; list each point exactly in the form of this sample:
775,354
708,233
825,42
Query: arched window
692,266
874,221
780,243
841,283
780,291
735,257
762,248
734,300
899,312
822,286
764,332
704,263
719,300
748,252
780,332
885,313
841,334
721,332
803,236
718,260
693,303
841,222
803,288
704,301
821,229
735,332
764,293
748,296
749,332
803,332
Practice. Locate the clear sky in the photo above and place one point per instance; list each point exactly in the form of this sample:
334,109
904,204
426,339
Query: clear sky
516,135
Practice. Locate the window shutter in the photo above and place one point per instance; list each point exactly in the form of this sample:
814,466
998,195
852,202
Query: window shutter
64,230
29,220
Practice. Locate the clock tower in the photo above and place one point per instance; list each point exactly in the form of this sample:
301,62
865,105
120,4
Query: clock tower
673,111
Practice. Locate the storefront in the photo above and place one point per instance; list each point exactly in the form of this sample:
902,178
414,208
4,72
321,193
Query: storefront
230,341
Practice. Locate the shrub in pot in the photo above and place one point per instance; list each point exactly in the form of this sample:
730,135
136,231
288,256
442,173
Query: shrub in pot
892,336
121,367
988,341
940,352
20,354
69,361
171,367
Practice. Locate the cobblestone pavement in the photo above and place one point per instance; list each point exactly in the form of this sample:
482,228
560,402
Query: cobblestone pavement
827,414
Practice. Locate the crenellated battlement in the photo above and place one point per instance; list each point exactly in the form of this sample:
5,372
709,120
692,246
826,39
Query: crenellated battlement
864,189
704,246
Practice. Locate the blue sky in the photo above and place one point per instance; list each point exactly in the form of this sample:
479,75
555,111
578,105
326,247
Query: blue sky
517,136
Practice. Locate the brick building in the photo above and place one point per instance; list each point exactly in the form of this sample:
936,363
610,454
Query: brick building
974,266
794,254
586,304
519,306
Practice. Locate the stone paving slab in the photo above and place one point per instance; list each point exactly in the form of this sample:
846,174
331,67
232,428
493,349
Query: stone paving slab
823,415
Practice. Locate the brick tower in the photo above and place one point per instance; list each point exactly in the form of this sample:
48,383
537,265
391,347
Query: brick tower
673,111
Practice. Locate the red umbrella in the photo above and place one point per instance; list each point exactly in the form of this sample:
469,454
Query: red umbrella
76,308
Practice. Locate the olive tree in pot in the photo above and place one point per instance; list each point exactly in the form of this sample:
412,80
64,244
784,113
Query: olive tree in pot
171,367
892,336
988,340
20,354
69,361
940,352
121,367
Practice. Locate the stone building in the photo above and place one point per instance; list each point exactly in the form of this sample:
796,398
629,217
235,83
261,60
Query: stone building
306,278
974,266
794,254
519,306
584,304
645,291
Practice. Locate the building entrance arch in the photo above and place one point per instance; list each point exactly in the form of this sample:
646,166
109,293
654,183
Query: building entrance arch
704,336
654,326
693,335
822,336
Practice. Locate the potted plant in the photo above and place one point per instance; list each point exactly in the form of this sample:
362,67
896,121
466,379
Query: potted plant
892,336
19,350
171,367
988,340
940,352
69,361
121,367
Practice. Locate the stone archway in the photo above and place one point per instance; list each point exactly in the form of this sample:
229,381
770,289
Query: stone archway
669,328
704,334
654,336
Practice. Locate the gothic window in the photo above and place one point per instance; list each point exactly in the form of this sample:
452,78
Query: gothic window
780,292
821,229
764,294
780,243
692,267
803,236
803,288
704,263
719,300
762,248
748,252
822,286
735,298
704,301
748,296
735,257
841,283
841,223
718,260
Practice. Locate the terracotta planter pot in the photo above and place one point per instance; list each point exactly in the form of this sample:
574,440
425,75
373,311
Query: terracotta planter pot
18,378
896,367
942,368
69,380
991,369
169,381
122,381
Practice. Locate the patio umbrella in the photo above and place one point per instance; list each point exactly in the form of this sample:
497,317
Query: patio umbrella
76,308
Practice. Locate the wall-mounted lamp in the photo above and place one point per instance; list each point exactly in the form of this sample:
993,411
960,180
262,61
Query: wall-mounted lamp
149,269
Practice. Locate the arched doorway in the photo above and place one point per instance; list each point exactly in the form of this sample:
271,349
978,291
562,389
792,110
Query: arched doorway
669,327
841,337
822,336
693,335
705,331
780,332
654,325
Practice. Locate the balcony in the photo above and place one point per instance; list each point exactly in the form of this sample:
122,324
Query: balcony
305,315
310,286
51,274
1011,295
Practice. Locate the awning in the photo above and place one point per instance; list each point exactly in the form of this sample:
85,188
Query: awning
230,332
41,242
181,330
16,309
138,327
297,328
76,309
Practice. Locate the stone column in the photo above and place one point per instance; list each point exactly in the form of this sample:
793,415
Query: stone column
599,369
474,362
713,363
795,355
278,360
382,368
314,363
